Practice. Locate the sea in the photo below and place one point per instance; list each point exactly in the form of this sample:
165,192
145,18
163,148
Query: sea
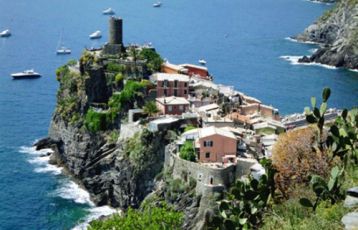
245,42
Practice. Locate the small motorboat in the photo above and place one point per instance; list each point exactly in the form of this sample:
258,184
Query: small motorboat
96,35
26,74
202,62
108,11
5,33
63,50
157,4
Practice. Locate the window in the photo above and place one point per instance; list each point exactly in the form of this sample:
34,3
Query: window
165,83
181,107
175,92
207,155
200,176
165,92
211,180
208,143
176,83
170,108
185,92
185,84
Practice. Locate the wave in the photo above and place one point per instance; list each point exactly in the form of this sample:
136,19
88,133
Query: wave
312,51
40,159
304,42
96,213
353,70
294,61
67,189
318,2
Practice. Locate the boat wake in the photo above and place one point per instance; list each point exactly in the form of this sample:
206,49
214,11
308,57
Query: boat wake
67,189
294,61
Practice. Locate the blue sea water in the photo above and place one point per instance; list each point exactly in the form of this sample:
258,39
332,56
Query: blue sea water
241,40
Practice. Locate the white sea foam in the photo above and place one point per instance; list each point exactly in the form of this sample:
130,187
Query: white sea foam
294,61
68,189
304,42
40,159
318,2
353,70
71,191
96,213
313,50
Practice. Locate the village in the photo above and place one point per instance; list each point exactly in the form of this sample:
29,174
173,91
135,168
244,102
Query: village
221,132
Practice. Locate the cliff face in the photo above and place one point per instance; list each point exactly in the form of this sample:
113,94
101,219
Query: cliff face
108,170
337,33
119,173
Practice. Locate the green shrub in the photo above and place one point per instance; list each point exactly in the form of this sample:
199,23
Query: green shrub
154,61
96,121
291,215
187,151
115,68
118,79
189,127
150,108
126,96
154,218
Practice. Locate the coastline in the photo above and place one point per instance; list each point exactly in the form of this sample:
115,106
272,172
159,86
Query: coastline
69,188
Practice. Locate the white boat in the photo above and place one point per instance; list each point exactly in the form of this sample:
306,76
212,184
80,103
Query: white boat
202,61
157,4
5,33
26,74
108,11
96,35
61,49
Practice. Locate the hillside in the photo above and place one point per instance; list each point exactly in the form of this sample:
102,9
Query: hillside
337,33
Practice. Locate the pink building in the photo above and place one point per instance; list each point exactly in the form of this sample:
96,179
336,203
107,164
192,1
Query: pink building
171,85
172,105
216,145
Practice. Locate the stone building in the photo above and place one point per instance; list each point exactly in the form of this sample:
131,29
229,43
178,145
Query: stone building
171,85
172,105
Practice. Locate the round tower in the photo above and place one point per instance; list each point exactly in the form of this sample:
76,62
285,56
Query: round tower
115,31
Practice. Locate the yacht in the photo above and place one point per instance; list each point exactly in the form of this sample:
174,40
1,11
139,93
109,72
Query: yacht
63,50
108,11
202,62
5,33
157,4
96,35
26,74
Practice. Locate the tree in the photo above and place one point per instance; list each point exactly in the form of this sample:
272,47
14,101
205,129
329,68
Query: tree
150,108
187,151
295,159
154,61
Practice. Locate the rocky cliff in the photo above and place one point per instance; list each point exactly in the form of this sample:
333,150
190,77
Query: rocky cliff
337,34
117,162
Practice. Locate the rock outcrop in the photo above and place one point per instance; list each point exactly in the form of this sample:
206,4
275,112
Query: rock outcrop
337,34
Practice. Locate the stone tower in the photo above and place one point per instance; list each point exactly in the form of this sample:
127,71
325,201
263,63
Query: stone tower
115,31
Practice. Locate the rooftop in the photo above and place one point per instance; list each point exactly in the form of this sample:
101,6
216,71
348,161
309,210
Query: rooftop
209,131
209,107
170,77
173,100
194,66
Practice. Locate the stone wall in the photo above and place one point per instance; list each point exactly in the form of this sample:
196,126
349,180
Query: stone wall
208,179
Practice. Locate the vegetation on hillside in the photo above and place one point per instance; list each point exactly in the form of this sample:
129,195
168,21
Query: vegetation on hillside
154,218
154,61
187,151
313,201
